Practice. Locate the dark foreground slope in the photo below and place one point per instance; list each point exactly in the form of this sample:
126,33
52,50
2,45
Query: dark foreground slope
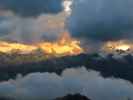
108,66
73,97
67,97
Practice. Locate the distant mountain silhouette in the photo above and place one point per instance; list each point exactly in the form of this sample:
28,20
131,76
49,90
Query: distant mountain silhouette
118,66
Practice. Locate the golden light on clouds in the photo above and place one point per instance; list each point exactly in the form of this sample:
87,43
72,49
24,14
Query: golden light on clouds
113,46
65,45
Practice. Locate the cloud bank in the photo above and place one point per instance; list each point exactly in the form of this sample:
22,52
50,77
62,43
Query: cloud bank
43,27
31,20
32,8
40,86
101,19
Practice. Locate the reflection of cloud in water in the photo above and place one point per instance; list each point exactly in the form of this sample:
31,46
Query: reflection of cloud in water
45,86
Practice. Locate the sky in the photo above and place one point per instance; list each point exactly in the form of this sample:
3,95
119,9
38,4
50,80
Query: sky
37,20
31,20
98,20
91,21
102,19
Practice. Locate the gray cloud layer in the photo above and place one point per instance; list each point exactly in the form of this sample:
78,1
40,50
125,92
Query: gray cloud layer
102,19
26,27
44,27
31,7
46,86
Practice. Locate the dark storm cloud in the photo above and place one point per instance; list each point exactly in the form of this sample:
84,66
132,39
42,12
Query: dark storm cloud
101,19
31,7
